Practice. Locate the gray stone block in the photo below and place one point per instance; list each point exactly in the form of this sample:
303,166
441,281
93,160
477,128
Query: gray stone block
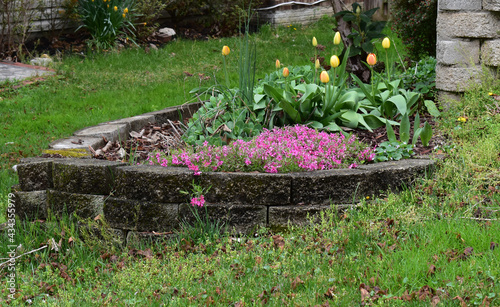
175,113
331,186
243,219
247,188
457,5
490,52
153,183
281,216
141,215
35,174
77,142
467,25
30,205
491,5
83,205
112,132
85,176
395,175
456,79
458,52
135,123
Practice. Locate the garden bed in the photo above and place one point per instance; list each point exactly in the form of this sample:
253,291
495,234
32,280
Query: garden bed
137,199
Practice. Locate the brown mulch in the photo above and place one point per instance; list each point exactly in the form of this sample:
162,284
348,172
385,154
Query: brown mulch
167,136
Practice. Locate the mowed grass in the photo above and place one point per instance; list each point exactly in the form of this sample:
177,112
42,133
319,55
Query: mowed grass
435,243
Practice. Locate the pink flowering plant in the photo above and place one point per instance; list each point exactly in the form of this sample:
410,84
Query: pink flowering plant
280,150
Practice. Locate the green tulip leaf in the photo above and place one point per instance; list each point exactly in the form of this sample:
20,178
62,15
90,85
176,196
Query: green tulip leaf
404,129
431,108
426,134
400,102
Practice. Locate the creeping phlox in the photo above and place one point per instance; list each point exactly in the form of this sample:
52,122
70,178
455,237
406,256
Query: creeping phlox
292,148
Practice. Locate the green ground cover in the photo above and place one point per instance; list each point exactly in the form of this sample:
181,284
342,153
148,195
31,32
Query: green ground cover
435,243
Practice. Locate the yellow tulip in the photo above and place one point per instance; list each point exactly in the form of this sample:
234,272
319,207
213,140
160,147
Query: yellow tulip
286,72
315,42
336,38
278,64
225,50
386,43
334,61
124,15
115,8
125,10
316,64
371,59
324,77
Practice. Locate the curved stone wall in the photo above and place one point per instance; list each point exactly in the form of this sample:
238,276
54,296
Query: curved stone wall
143,200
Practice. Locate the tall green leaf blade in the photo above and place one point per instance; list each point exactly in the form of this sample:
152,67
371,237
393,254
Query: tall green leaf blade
431,108
404,129
400,102
426,134
390,132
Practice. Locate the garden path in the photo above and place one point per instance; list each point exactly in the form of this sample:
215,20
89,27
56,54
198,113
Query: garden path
18,71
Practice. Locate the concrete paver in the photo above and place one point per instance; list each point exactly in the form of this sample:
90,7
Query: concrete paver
17,71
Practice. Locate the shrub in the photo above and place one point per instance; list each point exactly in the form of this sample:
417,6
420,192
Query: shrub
106,20
415,22
148,12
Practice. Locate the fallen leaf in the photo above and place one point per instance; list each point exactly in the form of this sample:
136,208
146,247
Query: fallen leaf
432,270
493,245
461,300
296,283
435,300
278,242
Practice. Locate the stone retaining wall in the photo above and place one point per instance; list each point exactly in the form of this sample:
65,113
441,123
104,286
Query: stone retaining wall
137,200
468,38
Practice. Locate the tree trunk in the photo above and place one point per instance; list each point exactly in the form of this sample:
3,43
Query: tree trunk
354,64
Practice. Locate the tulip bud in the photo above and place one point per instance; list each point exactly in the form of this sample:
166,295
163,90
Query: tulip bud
386,43
315,42
115,8
371,59
336,38
278,64
324,77
125,11
225,50
334,61
358,10
316,64
286,72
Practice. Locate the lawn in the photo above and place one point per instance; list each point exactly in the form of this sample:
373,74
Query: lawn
435,243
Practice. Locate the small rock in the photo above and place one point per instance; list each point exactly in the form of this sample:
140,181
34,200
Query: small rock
153,46
165,35
44,60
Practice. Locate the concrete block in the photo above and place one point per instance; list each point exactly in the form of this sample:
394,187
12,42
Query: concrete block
84,176
457,5
467,25
140,215
77,142
35,174
83,205
491,5
456,79
331,186
153,183
395,175
112,132
247,188
30,205
243,219
175,113
490,52
458,52
135,123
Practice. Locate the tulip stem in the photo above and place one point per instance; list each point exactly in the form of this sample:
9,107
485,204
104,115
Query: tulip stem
225,71
387,66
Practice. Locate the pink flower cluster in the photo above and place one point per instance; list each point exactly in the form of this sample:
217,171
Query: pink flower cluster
198,201
291,148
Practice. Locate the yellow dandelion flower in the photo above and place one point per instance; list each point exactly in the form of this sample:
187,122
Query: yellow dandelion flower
490,93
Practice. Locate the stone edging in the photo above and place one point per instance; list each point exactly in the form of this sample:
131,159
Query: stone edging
137,200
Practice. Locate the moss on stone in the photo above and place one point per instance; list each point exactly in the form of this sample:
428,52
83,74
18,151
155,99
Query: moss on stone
69,153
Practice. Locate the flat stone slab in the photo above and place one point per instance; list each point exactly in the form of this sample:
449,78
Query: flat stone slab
77,142
112,132
134,123
16,71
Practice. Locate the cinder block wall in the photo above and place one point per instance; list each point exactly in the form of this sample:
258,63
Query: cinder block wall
468,38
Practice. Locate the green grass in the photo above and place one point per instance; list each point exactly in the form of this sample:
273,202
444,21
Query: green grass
433,241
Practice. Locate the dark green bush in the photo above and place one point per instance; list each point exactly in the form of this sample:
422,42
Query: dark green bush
415,22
